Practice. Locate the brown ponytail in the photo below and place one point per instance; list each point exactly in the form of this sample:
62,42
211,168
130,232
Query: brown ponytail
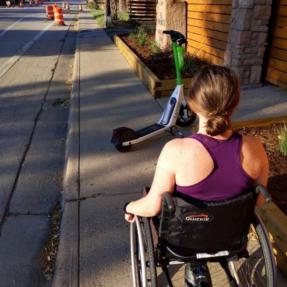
215,93
216,125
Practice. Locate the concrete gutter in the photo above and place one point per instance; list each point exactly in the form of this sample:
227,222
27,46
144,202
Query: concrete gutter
67,273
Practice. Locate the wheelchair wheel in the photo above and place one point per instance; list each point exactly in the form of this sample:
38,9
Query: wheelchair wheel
185,116
142,254
258,269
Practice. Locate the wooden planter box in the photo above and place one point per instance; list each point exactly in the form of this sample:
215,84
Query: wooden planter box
158,88
275,222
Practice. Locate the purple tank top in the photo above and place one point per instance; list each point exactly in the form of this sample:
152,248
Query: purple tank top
228,179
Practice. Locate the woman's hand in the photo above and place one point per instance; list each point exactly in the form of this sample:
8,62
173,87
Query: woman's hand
129,218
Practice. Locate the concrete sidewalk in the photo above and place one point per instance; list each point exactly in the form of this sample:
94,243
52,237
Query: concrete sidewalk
94,247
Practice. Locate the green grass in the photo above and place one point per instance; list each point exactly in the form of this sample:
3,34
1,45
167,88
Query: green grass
142,36
99,15
123,15
283,140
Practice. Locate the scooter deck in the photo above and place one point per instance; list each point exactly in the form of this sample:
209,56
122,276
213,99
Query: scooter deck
147,130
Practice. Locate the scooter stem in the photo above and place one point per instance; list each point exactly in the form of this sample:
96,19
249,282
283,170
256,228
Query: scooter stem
178,52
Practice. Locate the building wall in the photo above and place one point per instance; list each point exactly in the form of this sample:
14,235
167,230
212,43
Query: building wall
277,64
208,24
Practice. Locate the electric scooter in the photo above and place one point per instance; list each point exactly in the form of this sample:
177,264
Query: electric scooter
175,113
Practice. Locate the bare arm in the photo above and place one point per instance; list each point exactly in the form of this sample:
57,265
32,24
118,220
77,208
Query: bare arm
163,181
255,162
264,173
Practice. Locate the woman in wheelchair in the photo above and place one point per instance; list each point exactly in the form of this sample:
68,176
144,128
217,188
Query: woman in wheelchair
216,163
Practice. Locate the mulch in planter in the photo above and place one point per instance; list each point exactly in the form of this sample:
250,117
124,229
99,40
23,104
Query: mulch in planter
161,64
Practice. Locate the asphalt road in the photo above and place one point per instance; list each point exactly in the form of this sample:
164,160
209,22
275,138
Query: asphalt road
36,59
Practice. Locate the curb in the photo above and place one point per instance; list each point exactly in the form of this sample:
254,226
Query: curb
258,122
66,271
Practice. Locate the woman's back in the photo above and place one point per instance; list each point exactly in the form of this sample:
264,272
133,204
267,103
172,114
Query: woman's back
216,168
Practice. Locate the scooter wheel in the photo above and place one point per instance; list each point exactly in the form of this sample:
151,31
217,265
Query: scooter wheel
121,135
123,148
185,117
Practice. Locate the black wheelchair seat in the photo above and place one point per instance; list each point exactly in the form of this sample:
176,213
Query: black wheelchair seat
190,226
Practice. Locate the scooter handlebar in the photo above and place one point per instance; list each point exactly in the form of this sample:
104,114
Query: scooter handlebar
176,37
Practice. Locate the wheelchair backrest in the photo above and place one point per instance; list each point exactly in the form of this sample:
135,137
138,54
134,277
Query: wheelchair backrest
203,226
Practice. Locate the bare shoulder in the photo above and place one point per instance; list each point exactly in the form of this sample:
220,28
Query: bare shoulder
252,145
184,152
254,159
180,146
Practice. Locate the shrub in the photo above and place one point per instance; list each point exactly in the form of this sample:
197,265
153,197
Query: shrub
142,37
93,5
123,15
155,49
99,15
132,35
283,140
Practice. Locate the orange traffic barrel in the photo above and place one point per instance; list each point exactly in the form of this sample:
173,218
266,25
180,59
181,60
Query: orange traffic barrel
58,15
49,12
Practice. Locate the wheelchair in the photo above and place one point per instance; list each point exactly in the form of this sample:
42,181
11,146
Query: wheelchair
199,235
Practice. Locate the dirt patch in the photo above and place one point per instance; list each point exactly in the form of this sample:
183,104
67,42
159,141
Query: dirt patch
48,254
277,185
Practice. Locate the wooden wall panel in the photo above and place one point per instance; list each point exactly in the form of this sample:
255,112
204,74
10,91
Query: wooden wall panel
277,65
142,10
208,24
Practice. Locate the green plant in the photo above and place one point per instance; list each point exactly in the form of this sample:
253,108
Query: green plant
123,15
99,15
142,37
283,140
93,5
154,48
132,35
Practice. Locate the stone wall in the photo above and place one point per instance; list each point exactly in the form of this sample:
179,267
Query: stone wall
247,39
170,16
